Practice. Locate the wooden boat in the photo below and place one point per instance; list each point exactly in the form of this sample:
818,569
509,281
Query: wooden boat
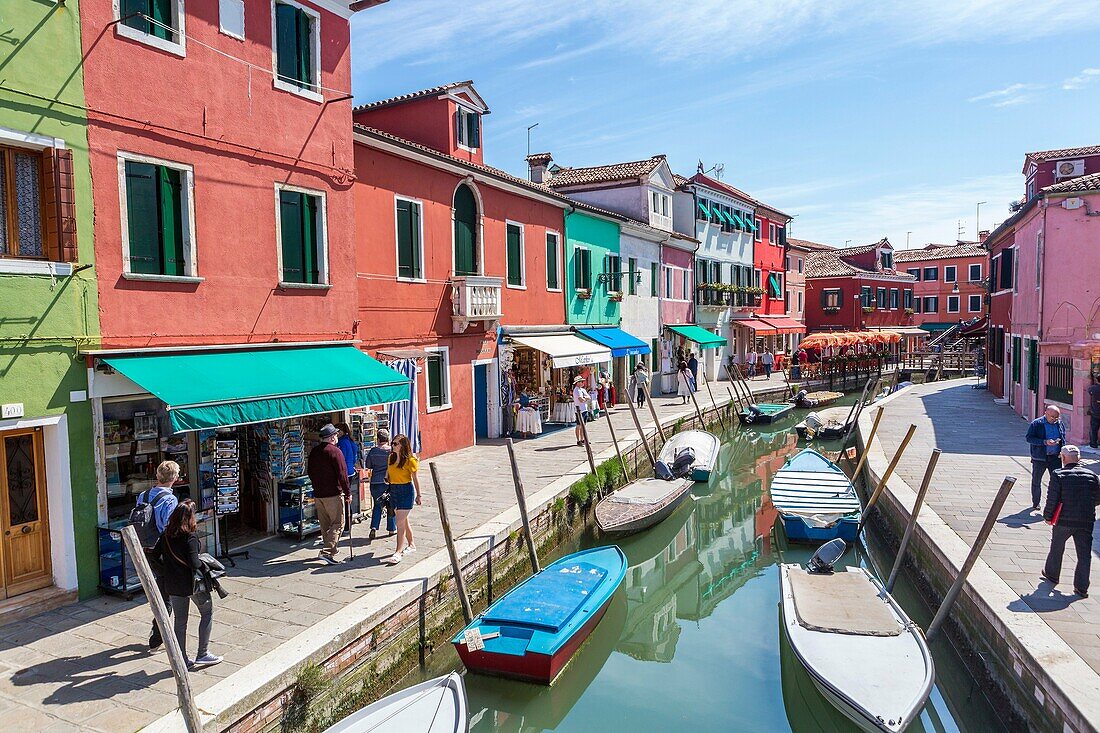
703,443
858,646
835,422
533,631
435,706
815,499
764,412
821,398
640,505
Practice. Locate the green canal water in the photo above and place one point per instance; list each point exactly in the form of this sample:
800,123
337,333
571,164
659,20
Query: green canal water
692,640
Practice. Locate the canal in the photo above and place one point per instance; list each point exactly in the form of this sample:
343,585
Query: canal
692,640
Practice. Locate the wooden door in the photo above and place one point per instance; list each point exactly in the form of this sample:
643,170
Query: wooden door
24,518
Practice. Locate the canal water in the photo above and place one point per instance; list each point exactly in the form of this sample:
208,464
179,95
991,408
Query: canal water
692,640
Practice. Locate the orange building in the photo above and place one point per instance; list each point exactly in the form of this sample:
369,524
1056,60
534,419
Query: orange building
949,283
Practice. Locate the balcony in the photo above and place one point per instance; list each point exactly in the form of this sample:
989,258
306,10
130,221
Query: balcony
475,298
709,295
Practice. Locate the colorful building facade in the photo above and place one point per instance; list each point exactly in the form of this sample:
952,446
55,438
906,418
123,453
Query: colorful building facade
48,311
949,283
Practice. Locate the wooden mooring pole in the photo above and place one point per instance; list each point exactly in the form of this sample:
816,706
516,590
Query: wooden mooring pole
698,412
615,442
867,445
653,414
584,434
714,402
521,499
928,471
456,569
191,718
641,433
971,559
885,477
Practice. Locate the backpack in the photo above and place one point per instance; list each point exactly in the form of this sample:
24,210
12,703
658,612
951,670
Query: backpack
143,518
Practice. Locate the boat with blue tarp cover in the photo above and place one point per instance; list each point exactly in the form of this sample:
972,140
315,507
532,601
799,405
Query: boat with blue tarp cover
533,631
815,499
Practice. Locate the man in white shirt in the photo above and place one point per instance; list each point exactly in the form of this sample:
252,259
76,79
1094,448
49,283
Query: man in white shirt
751,358
580,402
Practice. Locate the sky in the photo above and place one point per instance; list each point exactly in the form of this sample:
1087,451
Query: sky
860,119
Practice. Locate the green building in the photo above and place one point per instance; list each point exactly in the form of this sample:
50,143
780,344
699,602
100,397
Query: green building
48,312
594,275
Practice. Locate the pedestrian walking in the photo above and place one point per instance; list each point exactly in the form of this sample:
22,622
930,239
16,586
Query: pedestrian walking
768,360
800,361
177,553
1046,435
331,491
751,359
693,367
350,450
150,518
377,463
641,381
404,492
683,382
1094,411
1072,497
581,399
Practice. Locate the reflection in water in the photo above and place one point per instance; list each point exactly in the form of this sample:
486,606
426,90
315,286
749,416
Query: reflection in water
693,638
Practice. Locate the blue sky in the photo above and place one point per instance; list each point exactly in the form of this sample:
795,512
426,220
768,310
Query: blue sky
862,119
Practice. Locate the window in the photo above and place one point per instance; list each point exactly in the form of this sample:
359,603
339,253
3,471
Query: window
915,272
1032,363
775,285
552,282
656,202
950,274
894,298
997,346
907,299
865,296
653,279
668,282
1007,262
975,272
781,232
664,205
756,232
952,304
685,278
787,263
799,301
297,49
157,216
974,303
613,268
799,261
887,260
438,375
1060,379
632,276
916,305
771,233
513,233
410,240
787,298
994,270
931,304
1017,355
231,18
582,269
880,298
931,273
831,298
468,128
158,23
302,237
22,225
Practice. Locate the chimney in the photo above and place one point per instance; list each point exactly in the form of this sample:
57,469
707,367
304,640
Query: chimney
538,167
982,236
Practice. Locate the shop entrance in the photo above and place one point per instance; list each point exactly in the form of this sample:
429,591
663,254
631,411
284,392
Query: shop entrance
24,516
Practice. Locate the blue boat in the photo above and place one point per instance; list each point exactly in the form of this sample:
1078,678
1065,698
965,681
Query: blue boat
533,631
815,499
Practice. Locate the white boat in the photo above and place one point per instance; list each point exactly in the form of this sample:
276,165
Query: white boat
703,443
860,649
435,706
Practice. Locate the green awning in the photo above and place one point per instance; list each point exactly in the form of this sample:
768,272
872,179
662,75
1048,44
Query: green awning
210,389
705,210
773,283
725,216
701,336
750,224
738,221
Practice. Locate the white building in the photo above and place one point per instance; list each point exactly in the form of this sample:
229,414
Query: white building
640,249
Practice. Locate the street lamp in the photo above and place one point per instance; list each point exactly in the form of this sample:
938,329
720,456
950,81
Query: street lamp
907,235
529,128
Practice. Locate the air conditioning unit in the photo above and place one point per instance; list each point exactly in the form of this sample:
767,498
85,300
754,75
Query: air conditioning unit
1069,169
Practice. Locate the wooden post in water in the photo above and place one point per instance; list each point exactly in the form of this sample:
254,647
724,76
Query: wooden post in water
698,412
456,568
615,442
734,400
521,499
653,414
867,445
885,477
714,402
191,718
913,519
971,559
641,433
584,434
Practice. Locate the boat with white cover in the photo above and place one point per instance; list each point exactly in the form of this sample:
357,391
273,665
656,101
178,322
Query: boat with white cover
816,500
704,444
859,647
435,706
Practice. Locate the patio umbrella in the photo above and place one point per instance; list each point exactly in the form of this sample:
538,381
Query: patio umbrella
404,415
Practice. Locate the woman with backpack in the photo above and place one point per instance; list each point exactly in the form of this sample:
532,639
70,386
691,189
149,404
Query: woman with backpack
177,552
377,460
404,492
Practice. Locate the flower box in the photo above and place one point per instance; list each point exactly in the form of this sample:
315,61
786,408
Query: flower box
615,295
584,293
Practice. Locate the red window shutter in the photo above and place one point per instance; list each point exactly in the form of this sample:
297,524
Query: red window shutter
59,202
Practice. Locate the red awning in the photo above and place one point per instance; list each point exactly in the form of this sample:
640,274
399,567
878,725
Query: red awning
784,324
761,328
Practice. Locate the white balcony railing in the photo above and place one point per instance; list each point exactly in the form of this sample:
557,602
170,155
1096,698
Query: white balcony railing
475,298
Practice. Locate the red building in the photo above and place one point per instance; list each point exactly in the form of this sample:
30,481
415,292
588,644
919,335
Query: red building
769,259
856,288
448,250
1047,167
950,283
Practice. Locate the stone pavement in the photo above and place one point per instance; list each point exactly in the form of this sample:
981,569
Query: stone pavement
87,666
982,442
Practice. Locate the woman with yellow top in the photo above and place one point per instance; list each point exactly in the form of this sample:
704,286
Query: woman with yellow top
404,492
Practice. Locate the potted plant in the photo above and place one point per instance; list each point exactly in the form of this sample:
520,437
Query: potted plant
868,309
615,295
584,293
909,311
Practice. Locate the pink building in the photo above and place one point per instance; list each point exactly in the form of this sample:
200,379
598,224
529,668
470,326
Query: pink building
1051,345
676,287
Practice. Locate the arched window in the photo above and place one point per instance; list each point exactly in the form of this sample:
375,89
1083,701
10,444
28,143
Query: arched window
465,206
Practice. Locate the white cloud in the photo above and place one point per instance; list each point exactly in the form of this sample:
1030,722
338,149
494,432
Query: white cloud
1086,76
1009,96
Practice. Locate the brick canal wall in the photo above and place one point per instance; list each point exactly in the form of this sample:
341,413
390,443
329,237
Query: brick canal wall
362,666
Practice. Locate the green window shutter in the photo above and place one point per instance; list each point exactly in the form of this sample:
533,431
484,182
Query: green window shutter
414,229
304,43
1033,365
286,41
473,130
161,12
655,357
705,211
587,269
436,396
406,244
773,283
1017,347
578,269
143,218
552,262
170,194
465,232
515,255
291,217
632,281
653,279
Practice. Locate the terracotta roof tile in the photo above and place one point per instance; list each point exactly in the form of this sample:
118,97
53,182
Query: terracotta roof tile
564,177
1064,153
832,263
940,252
411,96
1090,182
807,244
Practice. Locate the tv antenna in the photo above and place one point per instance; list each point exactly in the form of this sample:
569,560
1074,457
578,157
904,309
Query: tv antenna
717,169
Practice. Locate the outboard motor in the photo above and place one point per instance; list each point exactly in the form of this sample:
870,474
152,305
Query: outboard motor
662,471
800,399
826,557
682,465
814,421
